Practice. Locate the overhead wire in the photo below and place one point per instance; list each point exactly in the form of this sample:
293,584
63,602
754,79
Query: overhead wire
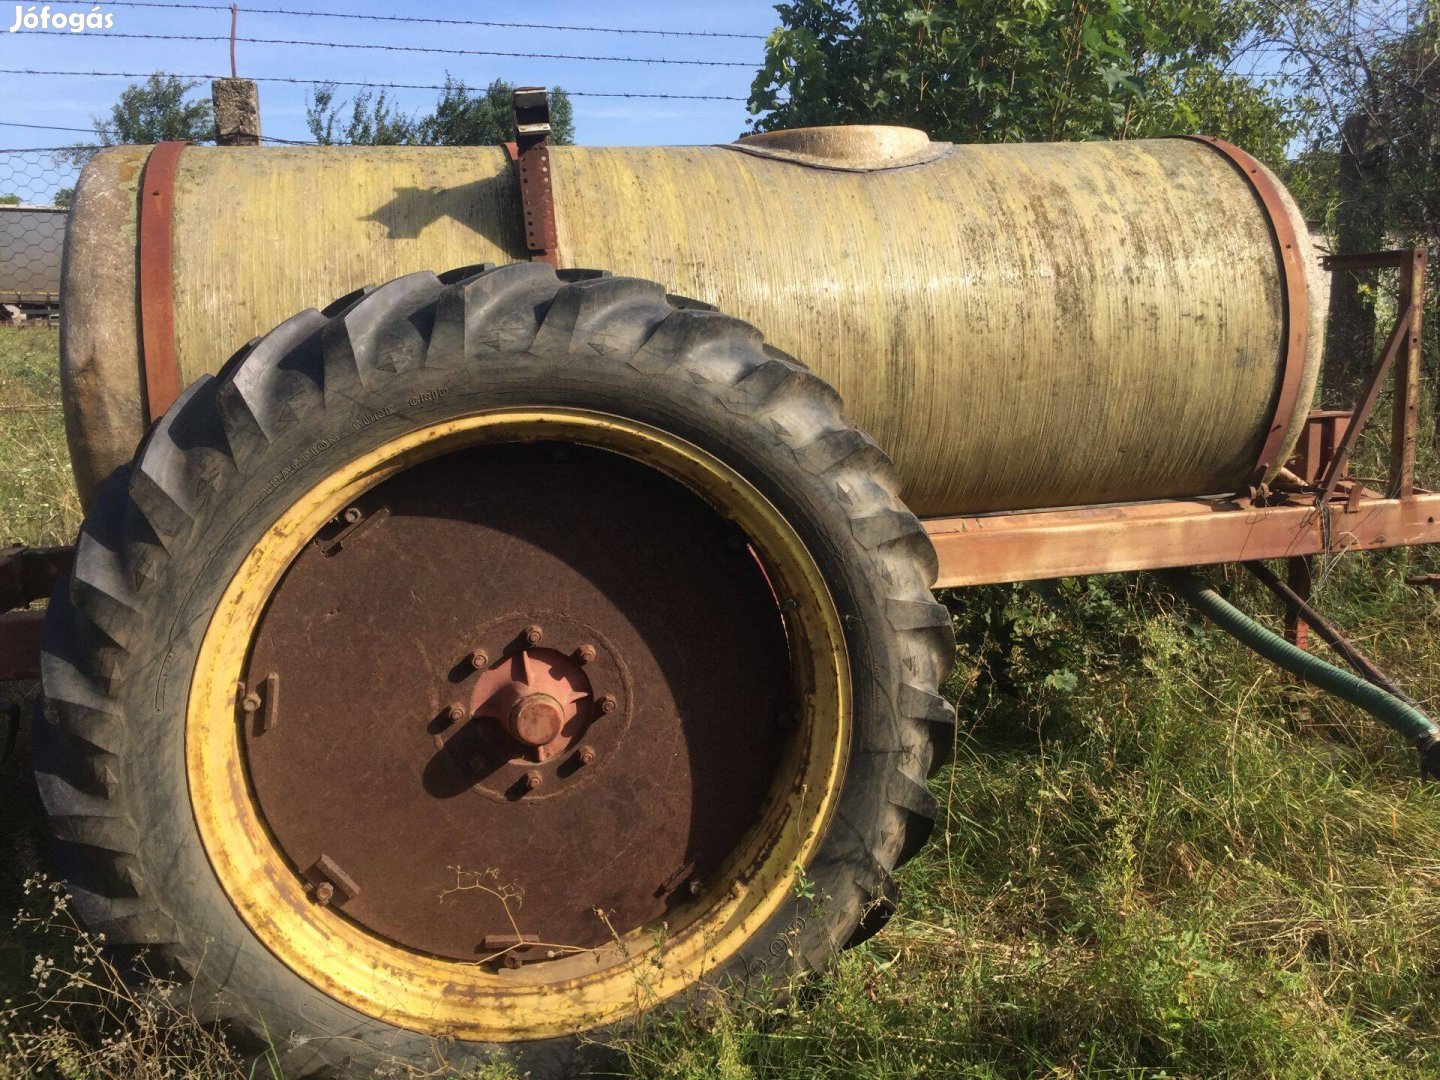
379,47
433,21
351,82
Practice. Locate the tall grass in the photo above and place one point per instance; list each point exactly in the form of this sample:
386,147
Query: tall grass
38,505
1159,858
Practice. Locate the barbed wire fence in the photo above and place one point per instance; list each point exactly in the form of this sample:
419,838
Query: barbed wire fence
36,184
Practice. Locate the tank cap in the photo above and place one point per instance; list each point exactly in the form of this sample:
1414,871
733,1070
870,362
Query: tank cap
849,147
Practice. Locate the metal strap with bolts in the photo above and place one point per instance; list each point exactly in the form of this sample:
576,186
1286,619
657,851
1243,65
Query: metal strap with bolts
530,153
160,376
1295,299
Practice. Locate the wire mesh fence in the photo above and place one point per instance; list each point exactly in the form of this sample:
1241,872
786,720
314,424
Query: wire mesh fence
35,190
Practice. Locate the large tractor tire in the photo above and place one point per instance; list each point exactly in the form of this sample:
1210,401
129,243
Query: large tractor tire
485,660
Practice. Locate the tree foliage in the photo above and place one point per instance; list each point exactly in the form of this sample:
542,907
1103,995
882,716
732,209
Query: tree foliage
461,117
370,119
1373,71
149,112
997,70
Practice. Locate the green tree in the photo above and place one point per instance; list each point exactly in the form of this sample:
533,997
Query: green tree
372,121
1369,171
10,200
996,70
461,117
150,112
465,117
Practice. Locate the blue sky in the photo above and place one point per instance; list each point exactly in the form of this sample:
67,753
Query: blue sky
71,102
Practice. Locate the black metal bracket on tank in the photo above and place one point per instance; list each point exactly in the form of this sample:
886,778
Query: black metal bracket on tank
530,153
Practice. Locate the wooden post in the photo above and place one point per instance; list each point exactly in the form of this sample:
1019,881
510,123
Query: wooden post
1350,341
1298,577
1407,377
237,112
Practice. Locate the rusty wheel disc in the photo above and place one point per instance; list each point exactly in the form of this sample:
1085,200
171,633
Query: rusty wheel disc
516,702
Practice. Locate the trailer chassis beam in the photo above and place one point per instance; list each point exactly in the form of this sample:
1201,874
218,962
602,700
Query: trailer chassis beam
994,548
26,575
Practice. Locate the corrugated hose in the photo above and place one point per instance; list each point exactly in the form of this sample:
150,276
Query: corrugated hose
1422,732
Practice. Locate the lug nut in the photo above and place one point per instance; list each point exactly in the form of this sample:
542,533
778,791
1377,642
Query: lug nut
606,703
324,893
533,634
695,887
586,755
352,515
586,653
532,780
250,702
455,713
478,660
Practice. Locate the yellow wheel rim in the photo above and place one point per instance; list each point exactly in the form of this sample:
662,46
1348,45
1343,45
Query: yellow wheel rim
640,969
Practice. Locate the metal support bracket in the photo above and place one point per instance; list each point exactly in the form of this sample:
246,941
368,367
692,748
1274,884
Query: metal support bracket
1402,352
531,154
30,574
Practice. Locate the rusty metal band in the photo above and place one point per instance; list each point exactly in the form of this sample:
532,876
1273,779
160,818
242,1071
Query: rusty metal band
1296,296
537,199
160,374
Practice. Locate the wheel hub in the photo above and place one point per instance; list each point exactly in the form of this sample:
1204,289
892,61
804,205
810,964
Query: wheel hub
540,697
536,720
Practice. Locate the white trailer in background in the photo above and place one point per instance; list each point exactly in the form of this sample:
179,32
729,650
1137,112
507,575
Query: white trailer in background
31,241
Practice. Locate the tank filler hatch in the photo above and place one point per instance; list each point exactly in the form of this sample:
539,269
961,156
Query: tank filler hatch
847,147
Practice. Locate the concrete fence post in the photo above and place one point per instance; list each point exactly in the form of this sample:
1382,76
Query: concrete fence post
237,112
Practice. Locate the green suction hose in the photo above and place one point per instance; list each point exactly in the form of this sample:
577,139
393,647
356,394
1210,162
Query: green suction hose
1409,721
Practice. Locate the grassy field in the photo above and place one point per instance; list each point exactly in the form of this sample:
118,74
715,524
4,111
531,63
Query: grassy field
1159,858
37,498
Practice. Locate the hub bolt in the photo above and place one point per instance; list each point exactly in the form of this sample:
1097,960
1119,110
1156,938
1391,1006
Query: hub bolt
533,634
324,893
478,660
606,703
586,755
695,887
352,515
250,702
532,780
586,653
455,713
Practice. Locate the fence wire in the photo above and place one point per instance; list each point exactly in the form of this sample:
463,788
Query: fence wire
36,186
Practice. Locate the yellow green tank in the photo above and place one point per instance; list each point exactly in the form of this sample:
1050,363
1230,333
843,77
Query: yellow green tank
1018,326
